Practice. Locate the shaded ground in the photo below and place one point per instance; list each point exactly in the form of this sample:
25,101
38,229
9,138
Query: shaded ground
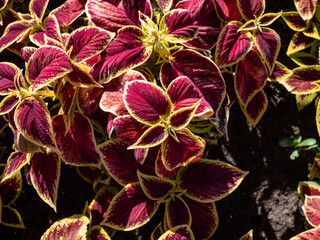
267,201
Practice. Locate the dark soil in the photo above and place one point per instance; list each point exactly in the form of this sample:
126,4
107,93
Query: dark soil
267,201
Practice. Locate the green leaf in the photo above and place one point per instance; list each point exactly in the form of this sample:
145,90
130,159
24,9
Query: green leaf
285,142
295,154
307,142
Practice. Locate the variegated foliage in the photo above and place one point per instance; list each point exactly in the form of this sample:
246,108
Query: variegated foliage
125,94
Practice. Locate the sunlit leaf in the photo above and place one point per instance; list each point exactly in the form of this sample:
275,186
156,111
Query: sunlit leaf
209,180
124,53
71,228
182,232
45,175
232,45
306,8
204,74
256,108
47,64
70,143
86,42
146,102
113,15
69,11
38,7
33,120
251,77
155,188
130,209
251,9
204,218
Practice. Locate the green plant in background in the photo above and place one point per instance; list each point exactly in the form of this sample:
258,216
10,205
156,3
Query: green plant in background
299,145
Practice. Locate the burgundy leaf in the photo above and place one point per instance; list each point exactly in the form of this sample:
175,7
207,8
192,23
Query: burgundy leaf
308,188
294,21
306,8
99,205
209,180
87,42
160,169
10,188
204,218
299,42
311,209
177,212
88,100
152,137
140,154
8,103
14,32
69,11
8,71
52,28
189,148
227,10
251,9
183,93
45,175
98,233
165,5
304,59
229,80
206,21
27,52
33,120
47,64
269,18
154,187
38,8
157,232
11,217
3,4
125,52
280,72
115,14
312,234
80,76
128,129
179,26
251,77
70,143
303,80
121,163
182,117
130,209
256,108
15,162
71,228
112,98
268,44
204,74
146,102
232,45
24,145
67,97
181,232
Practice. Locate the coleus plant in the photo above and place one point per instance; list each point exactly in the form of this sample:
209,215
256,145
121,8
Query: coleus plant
128,94
303,50
254,48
